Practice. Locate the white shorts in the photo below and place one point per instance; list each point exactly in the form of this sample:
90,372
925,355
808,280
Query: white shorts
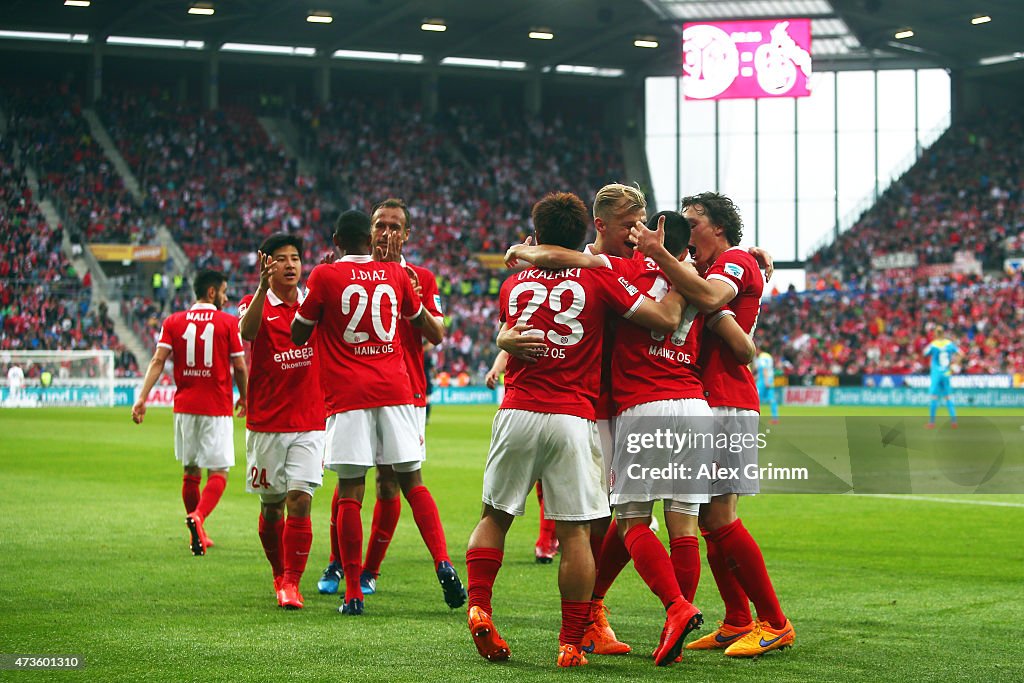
421,417
640,510
561,450
279,462
606,433
736,421
206,441
678,415
373,436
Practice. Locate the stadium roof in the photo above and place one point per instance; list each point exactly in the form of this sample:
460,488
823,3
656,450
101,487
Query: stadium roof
583,33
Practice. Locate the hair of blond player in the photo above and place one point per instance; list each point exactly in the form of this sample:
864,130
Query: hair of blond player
616,198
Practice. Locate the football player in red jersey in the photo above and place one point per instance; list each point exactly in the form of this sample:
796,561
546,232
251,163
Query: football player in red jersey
732,285
653,376
546,547
284,438
356,303
389,231
546,429
206,347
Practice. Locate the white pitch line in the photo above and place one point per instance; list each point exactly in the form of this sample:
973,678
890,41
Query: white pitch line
955,501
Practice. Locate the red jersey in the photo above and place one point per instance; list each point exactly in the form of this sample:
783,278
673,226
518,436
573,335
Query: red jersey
569,306
202,341
649,366
629,269
284,379
412,338
357,303
727,382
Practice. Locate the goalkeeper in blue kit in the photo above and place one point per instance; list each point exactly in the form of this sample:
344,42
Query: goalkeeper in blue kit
944,356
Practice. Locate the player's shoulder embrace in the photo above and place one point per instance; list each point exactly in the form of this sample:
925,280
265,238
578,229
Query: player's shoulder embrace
741,265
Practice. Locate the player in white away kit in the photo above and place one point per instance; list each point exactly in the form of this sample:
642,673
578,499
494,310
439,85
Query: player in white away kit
15,383
206,347
284,436
732,285
356,303
546,430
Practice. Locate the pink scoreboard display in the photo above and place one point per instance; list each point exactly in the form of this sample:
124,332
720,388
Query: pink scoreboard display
744,59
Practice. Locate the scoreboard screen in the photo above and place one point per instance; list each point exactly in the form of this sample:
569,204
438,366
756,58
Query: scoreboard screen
746,59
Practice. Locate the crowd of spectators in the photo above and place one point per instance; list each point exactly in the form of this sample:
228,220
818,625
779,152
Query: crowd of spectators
213,178
470,177
73,170
885,331
964,196
43,304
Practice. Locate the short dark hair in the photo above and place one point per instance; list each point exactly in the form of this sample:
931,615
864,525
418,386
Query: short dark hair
721,211
677,231
278,240
560,219
352,231
393,203
205,279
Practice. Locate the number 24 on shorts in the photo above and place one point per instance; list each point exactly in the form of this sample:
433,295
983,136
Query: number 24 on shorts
258,478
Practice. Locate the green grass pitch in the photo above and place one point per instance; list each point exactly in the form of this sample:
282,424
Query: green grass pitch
95,562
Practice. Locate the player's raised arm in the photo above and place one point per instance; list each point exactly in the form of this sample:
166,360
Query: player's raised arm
430,325
252,315
725,326
551,256
156,367
707,295
310,309
764,261
661,316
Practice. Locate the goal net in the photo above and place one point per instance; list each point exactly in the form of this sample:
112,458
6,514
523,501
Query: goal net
30,379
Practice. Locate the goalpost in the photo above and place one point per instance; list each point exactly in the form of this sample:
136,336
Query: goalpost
56,378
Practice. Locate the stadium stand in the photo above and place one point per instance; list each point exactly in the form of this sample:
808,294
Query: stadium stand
884,332
962,196
214,178
220,185
43,304
73,171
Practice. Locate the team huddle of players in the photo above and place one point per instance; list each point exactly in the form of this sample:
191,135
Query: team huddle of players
631,328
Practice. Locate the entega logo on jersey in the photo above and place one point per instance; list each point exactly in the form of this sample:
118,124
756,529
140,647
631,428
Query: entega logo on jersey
301,353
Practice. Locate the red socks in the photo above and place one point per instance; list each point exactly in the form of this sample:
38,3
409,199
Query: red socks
350,529
424,511
385,519
335,552
575,618
212,492
686,563
610,562
190,491
270,537
296,539
747,564
482,565
652,563
737,605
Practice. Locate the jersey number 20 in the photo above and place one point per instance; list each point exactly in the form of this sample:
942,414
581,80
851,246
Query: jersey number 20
356,310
